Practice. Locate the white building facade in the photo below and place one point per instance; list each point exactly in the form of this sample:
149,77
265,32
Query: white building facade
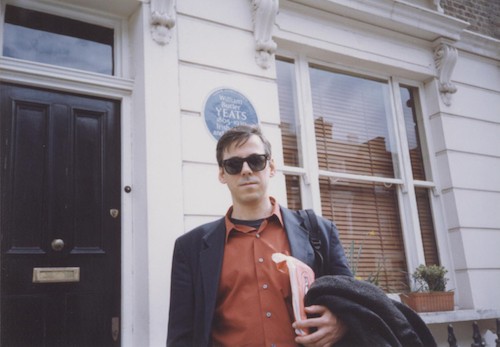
169,56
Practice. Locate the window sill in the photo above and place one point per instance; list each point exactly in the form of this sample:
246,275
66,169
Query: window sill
459,315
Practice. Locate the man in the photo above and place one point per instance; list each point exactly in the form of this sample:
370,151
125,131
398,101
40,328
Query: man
225,289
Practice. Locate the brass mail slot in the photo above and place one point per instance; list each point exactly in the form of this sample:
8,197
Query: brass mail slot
56,274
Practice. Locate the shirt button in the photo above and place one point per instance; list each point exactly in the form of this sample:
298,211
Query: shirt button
265,286
261,260
257,236
268,314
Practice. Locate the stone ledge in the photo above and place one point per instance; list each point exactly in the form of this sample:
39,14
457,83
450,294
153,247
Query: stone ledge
459,315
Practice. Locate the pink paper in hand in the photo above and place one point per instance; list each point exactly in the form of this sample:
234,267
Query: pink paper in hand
301,278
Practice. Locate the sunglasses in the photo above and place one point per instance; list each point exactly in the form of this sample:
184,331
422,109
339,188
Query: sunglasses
256,162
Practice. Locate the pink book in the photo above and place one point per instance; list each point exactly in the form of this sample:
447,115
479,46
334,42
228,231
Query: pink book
301,278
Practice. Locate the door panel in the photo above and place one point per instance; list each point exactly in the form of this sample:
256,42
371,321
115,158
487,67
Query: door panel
87,195
60,177
26,190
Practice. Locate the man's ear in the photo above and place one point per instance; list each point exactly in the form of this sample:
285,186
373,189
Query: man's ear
272,167
222,175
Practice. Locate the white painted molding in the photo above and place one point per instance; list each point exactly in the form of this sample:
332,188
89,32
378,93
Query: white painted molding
56,77
162,20
396,15
478,44
264,15
445,58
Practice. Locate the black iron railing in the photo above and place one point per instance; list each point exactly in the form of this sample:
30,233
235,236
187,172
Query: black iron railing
476,336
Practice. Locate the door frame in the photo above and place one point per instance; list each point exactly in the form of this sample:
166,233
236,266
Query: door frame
65,123
109,87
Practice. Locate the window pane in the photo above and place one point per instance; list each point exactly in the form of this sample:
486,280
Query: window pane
427,226
367,217
351,116
288,125
410,116
55,40
293,195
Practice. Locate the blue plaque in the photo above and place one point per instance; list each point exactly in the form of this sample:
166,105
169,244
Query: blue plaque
227,108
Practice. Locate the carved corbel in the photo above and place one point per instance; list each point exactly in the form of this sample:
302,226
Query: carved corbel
162,20
264,15
445,58
437,5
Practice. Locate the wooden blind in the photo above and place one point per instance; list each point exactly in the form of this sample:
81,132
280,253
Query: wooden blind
350,122
412,134
367,217
293,192
289,133
288,125
408,101
352,136
427,226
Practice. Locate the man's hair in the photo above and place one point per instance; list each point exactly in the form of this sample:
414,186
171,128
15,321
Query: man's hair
238,136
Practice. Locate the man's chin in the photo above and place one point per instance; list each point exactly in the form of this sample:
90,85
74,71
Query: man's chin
250,197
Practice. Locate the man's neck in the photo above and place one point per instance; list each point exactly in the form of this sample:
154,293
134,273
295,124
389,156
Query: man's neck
260,210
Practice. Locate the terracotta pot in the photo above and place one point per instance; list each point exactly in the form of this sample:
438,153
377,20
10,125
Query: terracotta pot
429,301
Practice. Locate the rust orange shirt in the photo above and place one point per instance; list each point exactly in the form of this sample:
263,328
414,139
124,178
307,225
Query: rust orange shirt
254,299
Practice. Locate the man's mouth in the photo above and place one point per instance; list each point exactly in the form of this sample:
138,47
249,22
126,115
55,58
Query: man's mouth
248,183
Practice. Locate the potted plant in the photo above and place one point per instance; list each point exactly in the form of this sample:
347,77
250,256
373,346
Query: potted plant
430,293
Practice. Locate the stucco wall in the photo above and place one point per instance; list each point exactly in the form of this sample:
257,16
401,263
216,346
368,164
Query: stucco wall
216,49
468,153
213,46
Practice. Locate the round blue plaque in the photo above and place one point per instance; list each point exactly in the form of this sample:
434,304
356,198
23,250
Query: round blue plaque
227,108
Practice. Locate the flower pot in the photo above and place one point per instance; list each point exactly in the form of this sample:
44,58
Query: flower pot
429,301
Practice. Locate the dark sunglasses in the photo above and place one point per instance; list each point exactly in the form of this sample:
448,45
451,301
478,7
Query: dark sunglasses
256,162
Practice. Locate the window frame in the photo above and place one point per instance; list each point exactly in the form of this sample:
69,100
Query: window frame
407,203
117,24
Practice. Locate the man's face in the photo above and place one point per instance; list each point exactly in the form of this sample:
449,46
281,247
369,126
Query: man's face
247,187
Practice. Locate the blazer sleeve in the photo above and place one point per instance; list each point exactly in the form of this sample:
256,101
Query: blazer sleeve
336,261
181,313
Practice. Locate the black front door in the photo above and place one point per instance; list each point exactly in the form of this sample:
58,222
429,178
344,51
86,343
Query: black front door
60,219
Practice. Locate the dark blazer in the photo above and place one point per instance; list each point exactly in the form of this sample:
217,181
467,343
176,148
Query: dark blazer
197,264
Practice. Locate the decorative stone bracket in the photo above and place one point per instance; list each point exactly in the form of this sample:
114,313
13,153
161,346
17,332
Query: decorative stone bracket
162,20
264,15
445,58
437,5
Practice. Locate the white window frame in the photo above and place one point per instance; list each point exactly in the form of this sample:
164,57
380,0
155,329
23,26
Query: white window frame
119,25
310,172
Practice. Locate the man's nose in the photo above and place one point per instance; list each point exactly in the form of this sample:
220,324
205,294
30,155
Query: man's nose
245,169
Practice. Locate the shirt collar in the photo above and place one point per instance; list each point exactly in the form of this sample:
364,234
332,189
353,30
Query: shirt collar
230,226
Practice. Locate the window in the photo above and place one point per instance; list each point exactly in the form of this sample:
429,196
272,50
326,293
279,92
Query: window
50,39
365,167
289,131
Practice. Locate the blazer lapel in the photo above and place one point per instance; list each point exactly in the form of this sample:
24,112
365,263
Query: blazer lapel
211,257
298,237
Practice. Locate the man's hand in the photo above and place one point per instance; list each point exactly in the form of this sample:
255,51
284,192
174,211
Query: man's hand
330,328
